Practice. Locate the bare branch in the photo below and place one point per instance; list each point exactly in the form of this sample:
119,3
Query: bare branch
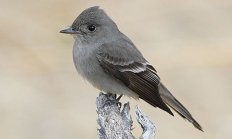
118,125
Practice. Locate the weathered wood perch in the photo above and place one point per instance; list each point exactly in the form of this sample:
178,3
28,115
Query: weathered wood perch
118,125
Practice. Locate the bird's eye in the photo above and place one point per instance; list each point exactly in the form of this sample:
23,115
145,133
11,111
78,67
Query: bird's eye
91,28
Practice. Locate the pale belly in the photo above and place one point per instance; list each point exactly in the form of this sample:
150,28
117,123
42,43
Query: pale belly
89,68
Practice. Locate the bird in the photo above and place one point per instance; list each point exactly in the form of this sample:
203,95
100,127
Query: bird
110,61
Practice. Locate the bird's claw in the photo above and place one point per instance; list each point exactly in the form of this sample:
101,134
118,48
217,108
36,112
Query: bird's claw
115,101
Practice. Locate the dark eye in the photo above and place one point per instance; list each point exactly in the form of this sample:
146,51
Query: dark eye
91,28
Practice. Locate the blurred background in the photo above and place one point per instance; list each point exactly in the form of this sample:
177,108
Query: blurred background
43,97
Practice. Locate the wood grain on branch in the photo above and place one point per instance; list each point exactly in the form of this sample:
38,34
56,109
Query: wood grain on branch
116,124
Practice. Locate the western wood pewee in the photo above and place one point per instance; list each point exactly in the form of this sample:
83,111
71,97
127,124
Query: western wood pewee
110,62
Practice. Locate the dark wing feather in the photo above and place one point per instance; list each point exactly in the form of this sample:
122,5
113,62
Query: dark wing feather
129,67
140,77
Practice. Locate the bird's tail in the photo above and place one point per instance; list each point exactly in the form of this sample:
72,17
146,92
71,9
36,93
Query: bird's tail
169,99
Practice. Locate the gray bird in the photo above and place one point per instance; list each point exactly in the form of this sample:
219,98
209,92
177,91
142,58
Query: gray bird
110,62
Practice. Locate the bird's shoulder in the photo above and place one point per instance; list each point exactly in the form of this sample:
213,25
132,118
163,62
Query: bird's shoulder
122,55
121,49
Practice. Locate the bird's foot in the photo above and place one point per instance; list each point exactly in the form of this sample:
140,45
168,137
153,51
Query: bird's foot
113,100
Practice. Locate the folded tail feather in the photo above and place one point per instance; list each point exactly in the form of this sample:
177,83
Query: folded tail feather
171,101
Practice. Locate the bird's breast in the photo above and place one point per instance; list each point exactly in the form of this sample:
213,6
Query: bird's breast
85,60
89,68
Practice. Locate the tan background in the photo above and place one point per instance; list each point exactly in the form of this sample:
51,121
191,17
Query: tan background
43,97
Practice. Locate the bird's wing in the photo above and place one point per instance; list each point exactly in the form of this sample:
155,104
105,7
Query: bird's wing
127,64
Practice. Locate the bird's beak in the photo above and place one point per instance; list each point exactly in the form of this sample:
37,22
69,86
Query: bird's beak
70,31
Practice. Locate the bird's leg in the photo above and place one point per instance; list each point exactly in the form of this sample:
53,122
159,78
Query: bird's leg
115,100
119,98
119,103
